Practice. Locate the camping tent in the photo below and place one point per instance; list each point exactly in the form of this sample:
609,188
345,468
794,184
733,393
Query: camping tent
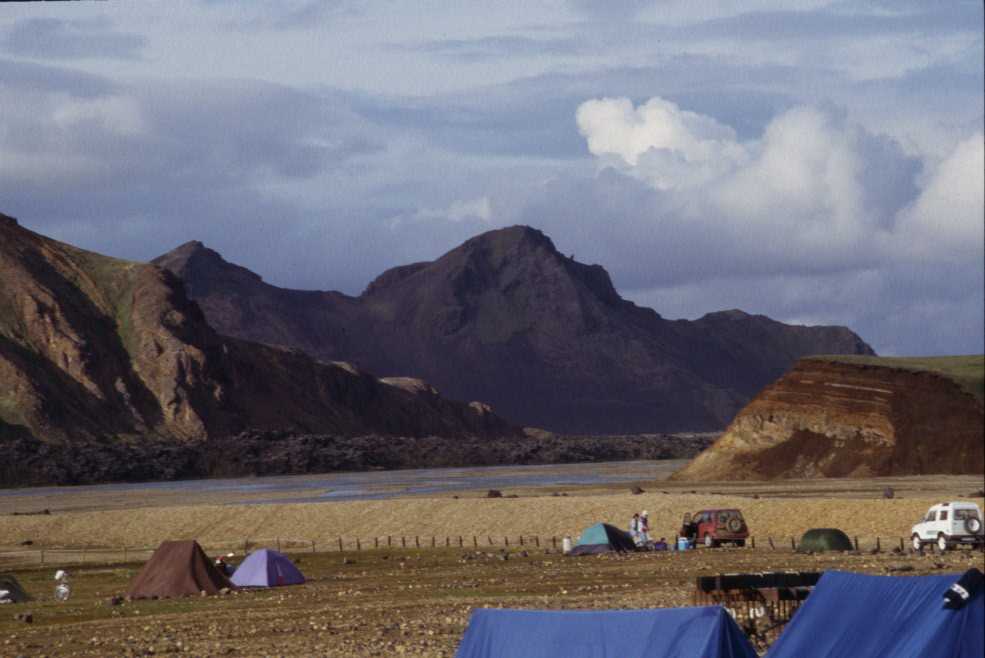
865,616
819,540
655,633
14,592
177,568
602,538
267,568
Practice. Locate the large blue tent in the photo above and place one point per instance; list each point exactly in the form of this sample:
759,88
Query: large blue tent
267,568
654,633
864,616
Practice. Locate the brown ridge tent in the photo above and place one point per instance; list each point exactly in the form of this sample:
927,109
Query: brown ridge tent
177,568
14,592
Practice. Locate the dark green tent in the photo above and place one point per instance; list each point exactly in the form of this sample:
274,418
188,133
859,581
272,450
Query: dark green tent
819,540
13,588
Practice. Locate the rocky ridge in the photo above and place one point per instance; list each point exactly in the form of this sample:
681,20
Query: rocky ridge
830,418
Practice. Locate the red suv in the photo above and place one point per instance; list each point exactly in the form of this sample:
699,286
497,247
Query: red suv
713,527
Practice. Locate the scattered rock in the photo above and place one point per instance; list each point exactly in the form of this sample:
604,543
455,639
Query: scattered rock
25,617
114,600
900,567
889,493
346,560
636,491
494,493
225,591
27,542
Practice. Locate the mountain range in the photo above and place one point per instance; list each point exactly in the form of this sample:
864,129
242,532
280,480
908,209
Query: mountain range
94,348
507,319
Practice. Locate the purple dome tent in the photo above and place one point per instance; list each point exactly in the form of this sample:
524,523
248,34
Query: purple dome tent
267,568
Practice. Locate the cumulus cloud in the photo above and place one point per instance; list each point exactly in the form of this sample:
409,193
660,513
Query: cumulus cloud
815,220
669,146
948,219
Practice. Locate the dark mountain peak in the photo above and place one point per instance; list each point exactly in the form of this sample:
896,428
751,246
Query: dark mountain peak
183,255
730,314
7,220
511,241
201,267
392,277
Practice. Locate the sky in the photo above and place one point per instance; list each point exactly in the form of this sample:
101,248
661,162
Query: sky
817,162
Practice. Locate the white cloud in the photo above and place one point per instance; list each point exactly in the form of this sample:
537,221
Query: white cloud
664,144
948,219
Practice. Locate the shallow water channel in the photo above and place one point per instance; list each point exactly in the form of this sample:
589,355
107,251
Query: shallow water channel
344,486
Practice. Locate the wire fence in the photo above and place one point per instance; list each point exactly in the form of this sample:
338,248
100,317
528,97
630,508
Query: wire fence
53,555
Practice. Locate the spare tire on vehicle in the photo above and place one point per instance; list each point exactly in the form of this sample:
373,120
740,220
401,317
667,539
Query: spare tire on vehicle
819,540
734,525
973,525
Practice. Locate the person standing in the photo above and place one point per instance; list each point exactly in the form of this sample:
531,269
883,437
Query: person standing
644,527
634,528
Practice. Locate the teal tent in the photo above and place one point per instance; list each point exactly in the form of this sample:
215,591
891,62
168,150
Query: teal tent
603,538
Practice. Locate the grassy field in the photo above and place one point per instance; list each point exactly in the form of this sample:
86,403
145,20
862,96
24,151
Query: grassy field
968,371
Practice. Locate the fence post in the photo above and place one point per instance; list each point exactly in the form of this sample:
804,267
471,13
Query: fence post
490,540
312,545
84,549
42,557
553,541
340,544
447,541
521,540
417,541
376,542
459,541
359,545
506,541
246,544
753,541
878,545
901,545
770,540
475,542
793,544
388,541
433,541
856,542
537,540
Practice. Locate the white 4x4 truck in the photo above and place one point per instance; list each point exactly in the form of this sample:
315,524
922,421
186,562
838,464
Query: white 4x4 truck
949,524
